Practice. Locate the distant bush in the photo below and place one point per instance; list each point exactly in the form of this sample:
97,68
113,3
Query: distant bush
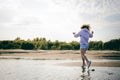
65,46
9,45
112,45
27,46
42,43
96,45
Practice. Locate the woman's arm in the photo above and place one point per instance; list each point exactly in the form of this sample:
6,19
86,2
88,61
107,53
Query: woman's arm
91,34
76,35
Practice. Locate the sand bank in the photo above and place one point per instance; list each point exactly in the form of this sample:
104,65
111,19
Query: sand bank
56,54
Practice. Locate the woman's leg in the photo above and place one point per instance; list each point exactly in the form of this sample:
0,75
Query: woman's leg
84,58
83,51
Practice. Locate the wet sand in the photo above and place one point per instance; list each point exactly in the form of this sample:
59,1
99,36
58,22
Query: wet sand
21,69
58,65
94,64
64,55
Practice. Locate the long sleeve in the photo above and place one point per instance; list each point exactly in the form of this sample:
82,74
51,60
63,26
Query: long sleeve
90,35
84,35
77,35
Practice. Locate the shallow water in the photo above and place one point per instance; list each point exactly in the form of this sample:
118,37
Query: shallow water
12,69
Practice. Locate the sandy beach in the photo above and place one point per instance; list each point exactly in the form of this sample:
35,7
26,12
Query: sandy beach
58,65
63,55
58,54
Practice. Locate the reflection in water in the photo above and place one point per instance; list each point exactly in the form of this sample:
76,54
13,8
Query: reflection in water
85,76
48,70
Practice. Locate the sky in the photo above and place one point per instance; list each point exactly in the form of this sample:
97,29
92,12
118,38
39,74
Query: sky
57,19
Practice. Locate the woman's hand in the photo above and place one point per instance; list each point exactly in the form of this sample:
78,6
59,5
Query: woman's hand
92,32
73,32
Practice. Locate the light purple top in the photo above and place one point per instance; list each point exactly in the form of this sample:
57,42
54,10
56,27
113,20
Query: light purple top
84,35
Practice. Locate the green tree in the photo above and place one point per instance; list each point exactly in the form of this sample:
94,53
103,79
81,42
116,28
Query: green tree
75,45
95,45
50,44
65,46
27,45
43,44
56,45
112,45
36,42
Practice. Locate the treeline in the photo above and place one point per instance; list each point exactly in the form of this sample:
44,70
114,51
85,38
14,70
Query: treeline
43,44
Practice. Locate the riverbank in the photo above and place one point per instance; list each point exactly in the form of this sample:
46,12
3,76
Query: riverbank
64,55
56,54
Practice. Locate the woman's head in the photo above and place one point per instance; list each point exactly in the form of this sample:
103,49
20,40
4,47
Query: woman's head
85,26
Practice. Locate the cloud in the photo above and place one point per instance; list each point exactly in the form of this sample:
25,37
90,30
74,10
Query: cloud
54,18
90,11
15,13
6,15
108,32
27,21
113,18
91,6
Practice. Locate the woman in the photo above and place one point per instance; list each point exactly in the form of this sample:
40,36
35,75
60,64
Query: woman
84,35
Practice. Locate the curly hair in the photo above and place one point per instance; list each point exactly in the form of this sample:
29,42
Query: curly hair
85,26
